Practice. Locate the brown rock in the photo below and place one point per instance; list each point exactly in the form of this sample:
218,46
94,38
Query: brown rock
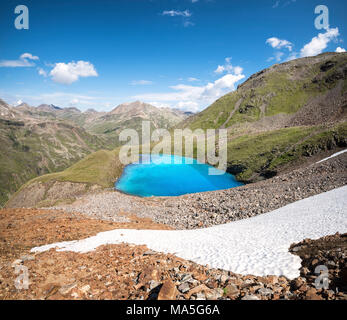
231,291
200,288
272,280
311,294
168,291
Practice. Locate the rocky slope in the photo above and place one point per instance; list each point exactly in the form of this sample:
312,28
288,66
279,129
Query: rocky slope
139,273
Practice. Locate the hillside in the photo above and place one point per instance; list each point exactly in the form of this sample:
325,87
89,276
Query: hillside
306,91
282,118
29,149
282,115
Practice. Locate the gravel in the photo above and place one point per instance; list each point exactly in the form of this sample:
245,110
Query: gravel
201,210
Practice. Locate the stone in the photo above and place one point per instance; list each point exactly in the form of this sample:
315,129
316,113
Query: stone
184,287
168,291
215,294
27,257
200,296
231,290
265,292
67,288
311,294
85,288
250,297
297,283
153,284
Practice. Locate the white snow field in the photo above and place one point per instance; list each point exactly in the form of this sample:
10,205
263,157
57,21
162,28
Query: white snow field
257,245
332,156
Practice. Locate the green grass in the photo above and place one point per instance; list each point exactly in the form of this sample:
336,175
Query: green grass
28,152
101,168
282,90
255,152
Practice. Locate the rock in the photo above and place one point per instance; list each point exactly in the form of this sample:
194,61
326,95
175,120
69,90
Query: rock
168,291
198,289
200,296
149,253
311,294
224,278
153,284
186,278
184,287
231,291
67,288
343,275
250,297
85,288
297,283
215,294
272,280
27,257
265,292
16,262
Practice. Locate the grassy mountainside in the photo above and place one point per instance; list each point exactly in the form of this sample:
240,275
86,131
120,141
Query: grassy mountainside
32,149
283,89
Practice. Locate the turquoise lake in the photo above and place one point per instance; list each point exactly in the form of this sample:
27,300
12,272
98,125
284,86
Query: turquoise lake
171,179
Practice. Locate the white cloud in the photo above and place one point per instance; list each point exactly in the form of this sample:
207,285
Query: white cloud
29,56
279,44
340,50
228,68
141,82
42,72
192,79
23,61
185,15
319,43
276,4
277,57
18,102
67,73
174,13
194,98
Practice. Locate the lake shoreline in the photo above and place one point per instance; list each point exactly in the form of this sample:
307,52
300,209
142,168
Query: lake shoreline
201,210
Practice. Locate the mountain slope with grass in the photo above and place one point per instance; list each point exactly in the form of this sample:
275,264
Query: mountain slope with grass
33,148
282,115
282,118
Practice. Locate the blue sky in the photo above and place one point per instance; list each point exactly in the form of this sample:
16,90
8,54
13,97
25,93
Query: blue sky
177,53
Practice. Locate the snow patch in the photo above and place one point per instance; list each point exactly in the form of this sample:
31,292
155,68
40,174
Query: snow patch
332,156
258,245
